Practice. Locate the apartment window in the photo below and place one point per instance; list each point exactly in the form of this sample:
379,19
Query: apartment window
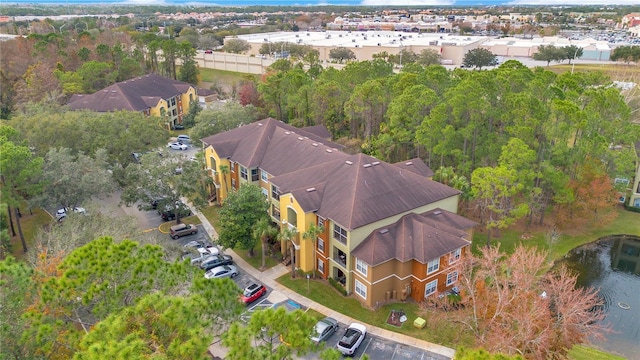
173,101
254,174
190,98
433,265
275,212
233,184
455,256
362,267
361,289
321,245
264,192
243,172
292,217
263,175
275,192
431,288
174,112
339,234
452,277
321,266
232,166
320,222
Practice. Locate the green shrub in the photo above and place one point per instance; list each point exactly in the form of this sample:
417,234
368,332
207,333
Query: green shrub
338,286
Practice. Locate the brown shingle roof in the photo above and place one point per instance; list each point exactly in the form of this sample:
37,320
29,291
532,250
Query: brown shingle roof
413,237
273,146
318,130
360,190
417,166
136,94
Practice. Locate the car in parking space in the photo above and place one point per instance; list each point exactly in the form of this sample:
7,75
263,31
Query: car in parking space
178,127
352,338
62,213
194,244
252,293
221,272
178,146
183,139
179,230
215,261
323,329
200,254
169,213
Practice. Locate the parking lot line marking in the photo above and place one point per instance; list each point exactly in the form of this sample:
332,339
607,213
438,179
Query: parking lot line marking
366,347
149,230
395,348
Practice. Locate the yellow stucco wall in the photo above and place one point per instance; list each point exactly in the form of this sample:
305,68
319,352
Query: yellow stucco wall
155,110
304,257
216,175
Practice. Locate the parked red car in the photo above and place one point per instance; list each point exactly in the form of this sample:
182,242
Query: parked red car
252,293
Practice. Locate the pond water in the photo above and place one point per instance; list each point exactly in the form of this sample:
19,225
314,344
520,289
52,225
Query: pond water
612,265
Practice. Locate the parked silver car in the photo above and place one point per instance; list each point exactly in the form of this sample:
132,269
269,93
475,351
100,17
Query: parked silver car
221,272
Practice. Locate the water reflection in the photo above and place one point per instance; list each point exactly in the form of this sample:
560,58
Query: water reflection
612,265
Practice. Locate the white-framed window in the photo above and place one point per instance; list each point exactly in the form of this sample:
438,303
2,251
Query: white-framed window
433,265
362,267
263,175
275,192
321,245
254,174
243,172
361,289
431,288
339,234
233,184
320,221
452,277
455,256
232,166
265,192
321,266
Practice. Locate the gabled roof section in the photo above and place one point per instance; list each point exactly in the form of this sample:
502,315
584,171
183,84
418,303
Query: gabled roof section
136,94
360,190
417,166
413,237
318,130
274,147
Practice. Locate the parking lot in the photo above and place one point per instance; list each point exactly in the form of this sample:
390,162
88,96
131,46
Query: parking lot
375,346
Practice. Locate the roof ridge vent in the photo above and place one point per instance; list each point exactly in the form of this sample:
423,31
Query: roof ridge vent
375,163
437,212
311,189
287,132
384,231
300,138
409,163
259,124
329,150
315,144
349,162
367,165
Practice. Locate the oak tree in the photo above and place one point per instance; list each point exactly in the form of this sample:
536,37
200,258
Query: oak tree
239,213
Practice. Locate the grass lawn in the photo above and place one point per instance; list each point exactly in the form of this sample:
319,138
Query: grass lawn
30,224
619,72
211,213
321,292
625,223
580,352
164,227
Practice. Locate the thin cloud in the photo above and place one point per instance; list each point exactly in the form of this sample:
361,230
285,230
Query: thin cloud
573,2
408,2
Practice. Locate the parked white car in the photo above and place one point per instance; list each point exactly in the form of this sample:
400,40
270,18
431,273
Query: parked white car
62,213
352,339
178,146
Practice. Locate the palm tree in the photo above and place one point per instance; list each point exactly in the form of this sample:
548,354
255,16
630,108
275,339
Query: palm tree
224,170
288,234
312,234
263,230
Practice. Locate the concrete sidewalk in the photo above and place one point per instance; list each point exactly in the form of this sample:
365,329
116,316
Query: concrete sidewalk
280,293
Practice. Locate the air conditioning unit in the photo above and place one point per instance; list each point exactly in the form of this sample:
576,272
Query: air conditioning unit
622,199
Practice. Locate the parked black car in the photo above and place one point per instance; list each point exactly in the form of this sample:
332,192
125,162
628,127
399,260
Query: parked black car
169,212
215,261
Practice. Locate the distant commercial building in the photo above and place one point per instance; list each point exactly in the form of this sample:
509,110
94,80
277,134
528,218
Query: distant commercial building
515,47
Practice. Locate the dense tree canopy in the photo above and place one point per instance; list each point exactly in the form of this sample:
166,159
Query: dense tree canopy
239,213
